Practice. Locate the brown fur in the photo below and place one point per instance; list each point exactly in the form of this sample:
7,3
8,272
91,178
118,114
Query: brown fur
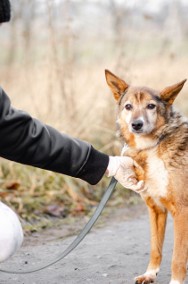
162,142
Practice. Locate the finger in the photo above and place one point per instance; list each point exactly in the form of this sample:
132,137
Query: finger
137,187
132,180
142,189
136,165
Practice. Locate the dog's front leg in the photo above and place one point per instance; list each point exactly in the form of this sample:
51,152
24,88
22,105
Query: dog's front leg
158,223
180,252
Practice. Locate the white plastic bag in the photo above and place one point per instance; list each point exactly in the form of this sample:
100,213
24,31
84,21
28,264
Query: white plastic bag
11,233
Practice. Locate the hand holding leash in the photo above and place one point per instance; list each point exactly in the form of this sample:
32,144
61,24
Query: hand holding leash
122,168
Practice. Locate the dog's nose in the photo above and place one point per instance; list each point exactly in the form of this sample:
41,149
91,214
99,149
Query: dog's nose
137,124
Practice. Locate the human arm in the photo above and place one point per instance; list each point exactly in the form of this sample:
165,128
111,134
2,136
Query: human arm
28,141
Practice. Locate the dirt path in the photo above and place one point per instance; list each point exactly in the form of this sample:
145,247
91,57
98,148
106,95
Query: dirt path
113,253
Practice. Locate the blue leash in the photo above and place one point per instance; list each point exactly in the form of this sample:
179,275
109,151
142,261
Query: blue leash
81,235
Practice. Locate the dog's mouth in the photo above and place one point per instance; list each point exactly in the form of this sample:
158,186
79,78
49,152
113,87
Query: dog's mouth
140,131
137,131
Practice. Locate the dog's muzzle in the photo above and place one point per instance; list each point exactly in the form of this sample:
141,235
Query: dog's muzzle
137,125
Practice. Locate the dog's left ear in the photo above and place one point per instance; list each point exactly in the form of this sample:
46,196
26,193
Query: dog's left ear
169,93
117,85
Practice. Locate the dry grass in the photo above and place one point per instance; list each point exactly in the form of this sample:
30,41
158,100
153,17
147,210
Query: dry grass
73,97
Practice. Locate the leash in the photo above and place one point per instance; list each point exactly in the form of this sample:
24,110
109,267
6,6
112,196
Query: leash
80,236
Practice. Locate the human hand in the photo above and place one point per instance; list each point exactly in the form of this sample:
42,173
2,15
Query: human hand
122,168
11,234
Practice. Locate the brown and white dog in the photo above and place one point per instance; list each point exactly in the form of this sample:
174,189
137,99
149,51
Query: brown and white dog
157,139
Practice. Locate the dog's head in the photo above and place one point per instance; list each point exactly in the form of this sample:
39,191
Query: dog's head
141,110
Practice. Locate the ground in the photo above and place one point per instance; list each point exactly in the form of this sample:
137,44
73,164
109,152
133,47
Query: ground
115,251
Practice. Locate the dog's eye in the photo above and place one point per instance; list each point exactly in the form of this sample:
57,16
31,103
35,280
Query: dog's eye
128,107
151,106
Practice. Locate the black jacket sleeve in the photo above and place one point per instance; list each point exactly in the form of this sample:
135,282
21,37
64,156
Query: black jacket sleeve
28,141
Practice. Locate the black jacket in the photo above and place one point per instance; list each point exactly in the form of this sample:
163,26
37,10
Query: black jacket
28,141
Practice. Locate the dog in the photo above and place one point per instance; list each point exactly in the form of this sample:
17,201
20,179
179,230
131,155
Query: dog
157,139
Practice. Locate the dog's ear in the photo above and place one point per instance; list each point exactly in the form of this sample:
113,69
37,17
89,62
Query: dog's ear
169,93
117,85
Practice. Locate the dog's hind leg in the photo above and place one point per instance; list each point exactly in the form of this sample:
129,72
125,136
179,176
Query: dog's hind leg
158,223
180,252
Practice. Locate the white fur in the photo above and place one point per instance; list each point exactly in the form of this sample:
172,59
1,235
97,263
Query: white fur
141,118
149,273
144,142
175,282
124,149
126,115
152,272
150,120
157,180
11,234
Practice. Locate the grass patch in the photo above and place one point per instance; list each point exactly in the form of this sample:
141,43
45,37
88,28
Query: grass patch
41,197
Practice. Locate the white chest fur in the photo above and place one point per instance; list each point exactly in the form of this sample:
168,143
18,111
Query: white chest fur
144,142
157,177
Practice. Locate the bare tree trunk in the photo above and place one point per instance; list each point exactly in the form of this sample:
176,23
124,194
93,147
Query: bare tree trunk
28,21
54,58
118,14
63,67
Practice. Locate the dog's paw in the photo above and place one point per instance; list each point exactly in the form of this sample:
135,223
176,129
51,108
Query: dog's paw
145,279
